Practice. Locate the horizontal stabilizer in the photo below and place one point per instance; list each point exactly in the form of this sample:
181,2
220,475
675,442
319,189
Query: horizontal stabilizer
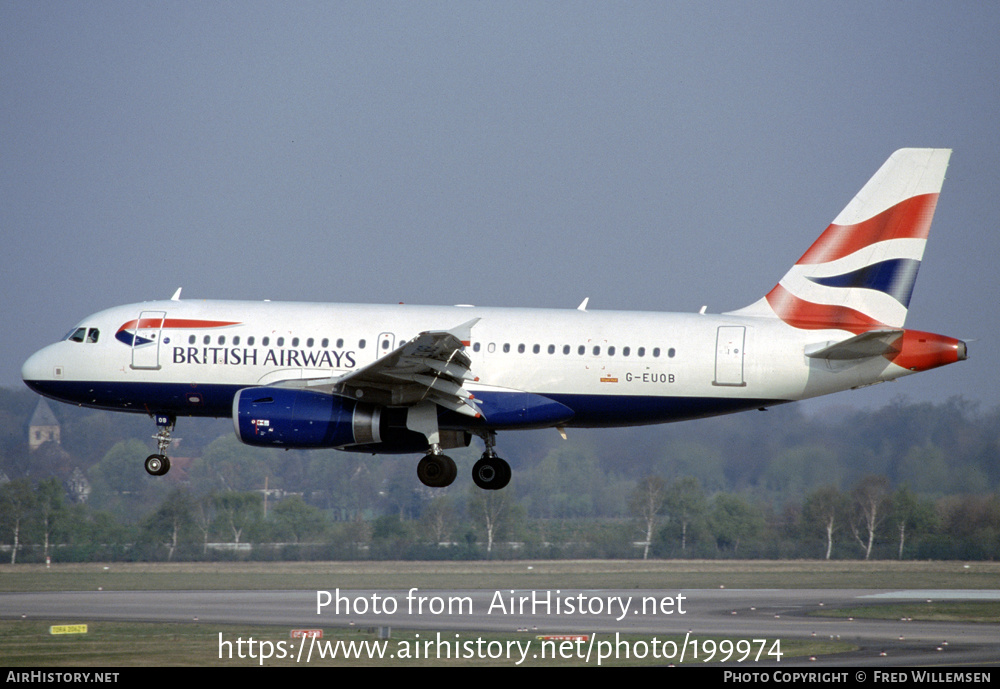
863,346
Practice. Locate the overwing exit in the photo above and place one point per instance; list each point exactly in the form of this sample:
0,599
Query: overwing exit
422,380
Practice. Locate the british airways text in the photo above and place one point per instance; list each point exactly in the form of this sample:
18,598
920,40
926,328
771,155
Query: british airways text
246,356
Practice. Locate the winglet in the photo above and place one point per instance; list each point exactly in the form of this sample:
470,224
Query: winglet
177,295
464,331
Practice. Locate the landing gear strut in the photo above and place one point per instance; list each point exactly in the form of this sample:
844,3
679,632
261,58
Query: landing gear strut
158,464
490,472
435,469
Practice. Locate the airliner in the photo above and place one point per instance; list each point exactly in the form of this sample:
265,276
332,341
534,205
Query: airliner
423,379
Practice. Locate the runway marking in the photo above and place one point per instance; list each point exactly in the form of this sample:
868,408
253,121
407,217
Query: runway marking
938,594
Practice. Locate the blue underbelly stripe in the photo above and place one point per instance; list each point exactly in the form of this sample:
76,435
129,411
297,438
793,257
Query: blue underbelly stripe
217,401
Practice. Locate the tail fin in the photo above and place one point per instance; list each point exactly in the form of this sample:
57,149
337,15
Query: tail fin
860,273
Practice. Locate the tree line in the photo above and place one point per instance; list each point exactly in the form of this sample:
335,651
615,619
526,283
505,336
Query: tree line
910,480
666,520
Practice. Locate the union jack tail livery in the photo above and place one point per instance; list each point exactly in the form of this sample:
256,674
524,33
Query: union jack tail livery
859,274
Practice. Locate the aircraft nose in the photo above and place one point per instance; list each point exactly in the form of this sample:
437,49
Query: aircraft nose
38,367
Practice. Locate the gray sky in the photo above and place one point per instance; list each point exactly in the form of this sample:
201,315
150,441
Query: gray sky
651,156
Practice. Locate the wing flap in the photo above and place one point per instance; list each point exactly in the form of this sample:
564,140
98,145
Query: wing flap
432,366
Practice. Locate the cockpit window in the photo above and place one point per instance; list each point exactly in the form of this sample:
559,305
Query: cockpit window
88,335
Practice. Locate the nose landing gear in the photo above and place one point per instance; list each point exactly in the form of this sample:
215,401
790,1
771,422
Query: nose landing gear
158,464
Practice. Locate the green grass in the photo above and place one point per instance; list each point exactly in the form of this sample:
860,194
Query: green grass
618,574
941,611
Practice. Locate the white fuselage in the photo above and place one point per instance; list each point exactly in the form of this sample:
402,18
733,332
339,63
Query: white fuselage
612,368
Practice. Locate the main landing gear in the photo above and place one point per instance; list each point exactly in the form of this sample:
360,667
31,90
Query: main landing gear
490,472
437,470
159,464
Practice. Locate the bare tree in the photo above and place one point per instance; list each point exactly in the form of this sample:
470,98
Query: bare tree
16,502
869,496
909,513
646,503
50,505
824,508
495,508
239,510
686,503
438,518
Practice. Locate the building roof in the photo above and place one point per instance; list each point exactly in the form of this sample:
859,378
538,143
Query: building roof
43,415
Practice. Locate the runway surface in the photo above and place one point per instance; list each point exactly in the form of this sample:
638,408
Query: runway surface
720,613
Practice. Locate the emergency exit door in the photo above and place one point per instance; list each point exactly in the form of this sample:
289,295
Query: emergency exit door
729,355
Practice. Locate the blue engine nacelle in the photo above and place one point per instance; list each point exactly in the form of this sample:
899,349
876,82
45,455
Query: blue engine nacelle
285,417
300,418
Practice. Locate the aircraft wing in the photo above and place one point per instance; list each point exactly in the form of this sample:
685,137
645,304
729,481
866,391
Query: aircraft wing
433,366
